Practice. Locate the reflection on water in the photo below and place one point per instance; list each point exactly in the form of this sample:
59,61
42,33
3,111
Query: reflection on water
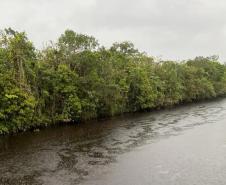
68,155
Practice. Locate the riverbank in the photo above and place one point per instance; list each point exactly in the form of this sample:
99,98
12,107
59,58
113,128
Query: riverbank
61,124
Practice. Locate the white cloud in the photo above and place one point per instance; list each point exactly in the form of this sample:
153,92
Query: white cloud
174,29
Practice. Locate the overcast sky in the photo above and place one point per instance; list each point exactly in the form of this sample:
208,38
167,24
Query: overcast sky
172,29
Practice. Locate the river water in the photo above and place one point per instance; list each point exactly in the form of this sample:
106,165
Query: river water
182,146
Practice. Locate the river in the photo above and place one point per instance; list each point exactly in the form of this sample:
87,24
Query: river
181,146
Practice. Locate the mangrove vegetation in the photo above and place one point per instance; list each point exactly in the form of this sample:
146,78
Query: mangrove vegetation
76,79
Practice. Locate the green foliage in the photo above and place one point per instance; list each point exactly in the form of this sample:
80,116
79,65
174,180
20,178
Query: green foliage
16,110
76,80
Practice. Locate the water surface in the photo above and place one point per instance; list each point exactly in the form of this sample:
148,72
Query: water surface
184,145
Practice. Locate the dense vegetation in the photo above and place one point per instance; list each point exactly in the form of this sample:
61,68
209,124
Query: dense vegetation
76,79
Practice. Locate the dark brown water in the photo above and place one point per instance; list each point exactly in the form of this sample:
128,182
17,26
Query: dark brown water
185,145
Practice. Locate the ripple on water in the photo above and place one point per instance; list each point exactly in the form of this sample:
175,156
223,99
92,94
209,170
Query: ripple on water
67,155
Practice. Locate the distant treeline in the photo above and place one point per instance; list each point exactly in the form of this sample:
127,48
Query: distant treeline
76,80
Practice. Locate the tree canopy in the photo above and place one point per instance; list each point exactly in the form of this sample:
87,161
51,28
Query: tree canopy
76,79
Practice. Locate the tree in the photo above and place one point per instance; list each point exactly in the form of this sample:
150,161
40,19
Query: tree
75,80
